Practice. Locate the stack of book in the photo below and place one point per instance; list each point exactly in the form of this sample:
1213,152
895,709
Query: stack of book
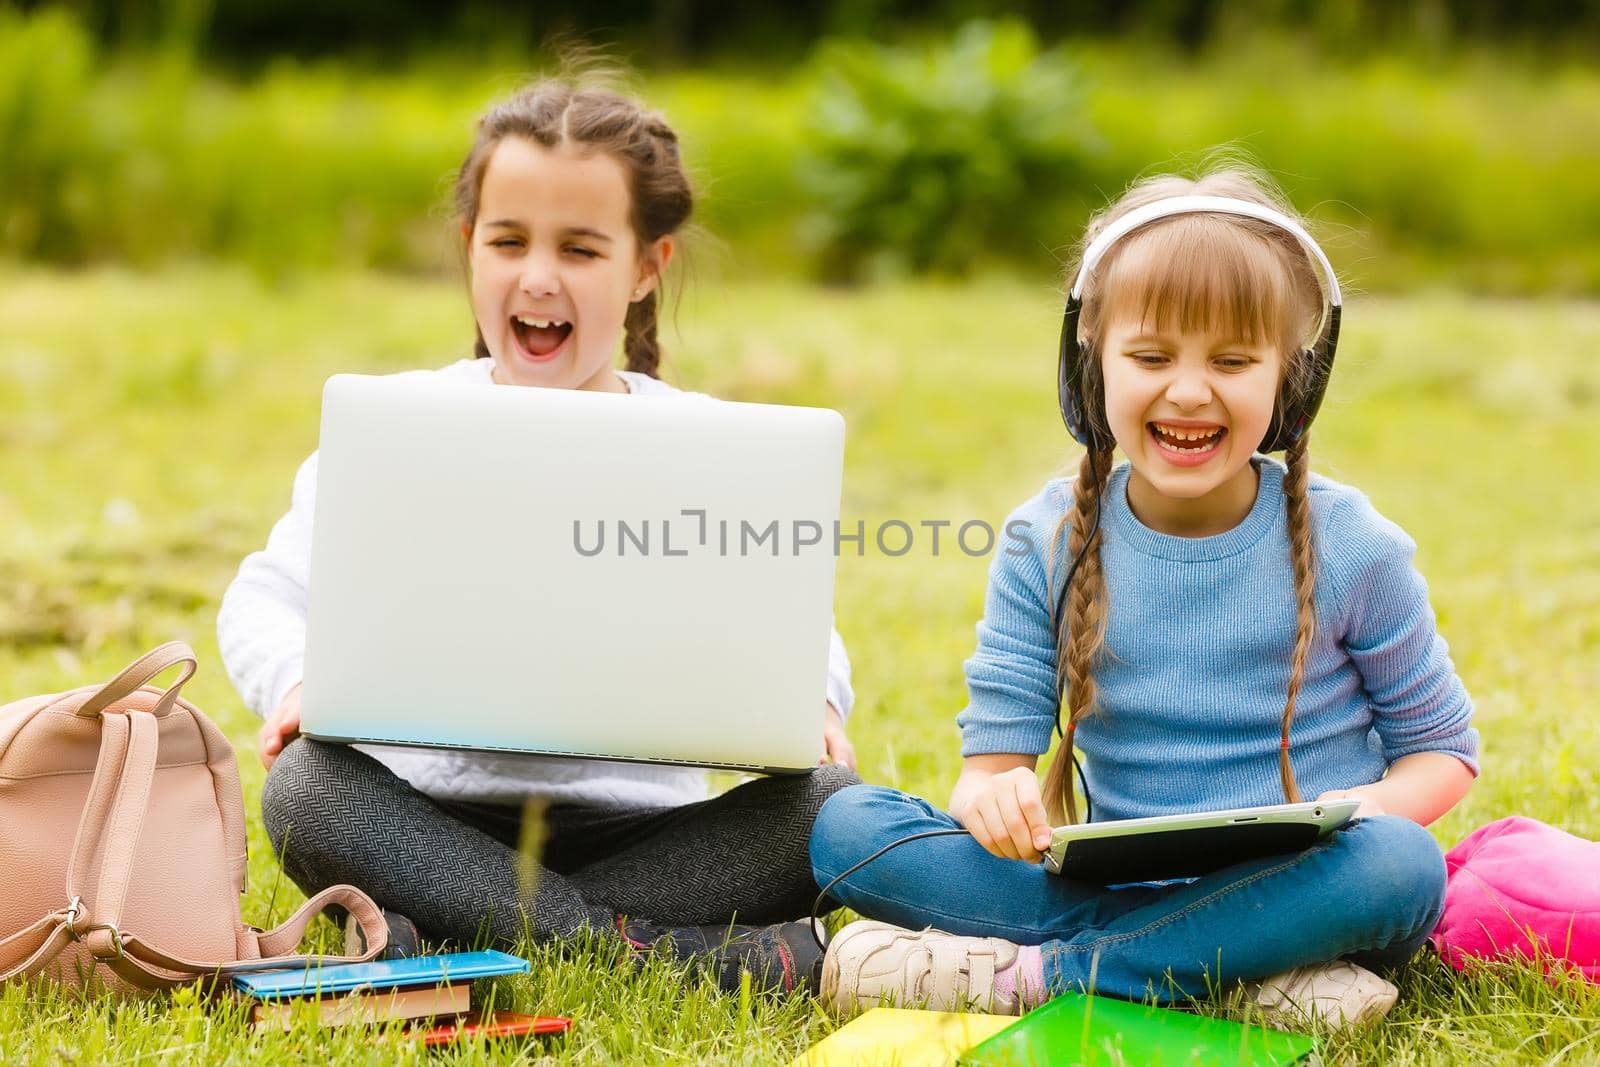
432,992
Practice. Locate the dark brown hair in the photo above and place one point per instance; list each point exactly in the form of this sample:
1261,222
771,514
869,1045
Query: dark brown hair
1194,271
557,112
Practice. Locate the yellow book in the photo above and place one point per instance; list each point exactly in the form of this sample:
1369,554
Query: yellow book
900,1037
366,1008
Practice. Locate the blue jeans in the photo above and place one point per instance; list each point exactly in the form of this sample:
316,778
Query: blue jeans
1371,893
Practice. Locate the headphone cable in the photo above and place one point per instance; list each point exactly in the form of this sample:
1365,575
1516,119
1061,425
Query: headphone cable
1088,804
1061,607
816,905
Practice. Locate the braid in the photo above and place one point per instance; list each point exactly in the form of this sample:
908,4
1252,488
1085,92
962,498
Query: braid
1080,631
1305,584
639,342
657,127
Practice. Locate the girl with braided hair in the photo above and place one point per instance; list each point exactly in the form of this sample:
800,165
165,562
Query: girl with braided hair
1210,629
568,204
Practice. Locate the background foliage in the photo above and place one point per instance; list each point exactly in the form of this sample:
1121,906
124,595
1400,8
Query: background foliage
245,31
985,145
941,157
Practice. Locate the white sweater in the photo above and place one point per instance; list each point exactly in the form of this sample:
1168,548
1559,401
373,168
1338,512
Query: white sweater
261,633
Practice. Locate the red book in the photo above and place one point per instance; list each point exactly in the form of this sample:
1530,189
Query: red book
500,1024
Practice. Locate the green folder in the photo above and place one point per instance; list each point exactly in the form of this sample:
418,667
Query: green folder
1074,1029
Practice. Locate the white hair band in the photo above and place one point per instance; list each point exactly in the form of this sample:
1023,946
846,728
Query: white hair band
1189,205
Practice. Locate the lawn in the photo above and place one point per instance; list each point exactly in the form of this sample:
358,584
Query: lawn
151,426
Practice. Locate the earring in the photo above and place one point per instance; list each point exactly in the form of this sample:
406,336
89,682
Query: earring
638,294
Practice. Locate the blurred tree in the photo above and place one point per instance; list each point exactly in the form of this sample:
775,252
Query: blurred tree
922,159
675,29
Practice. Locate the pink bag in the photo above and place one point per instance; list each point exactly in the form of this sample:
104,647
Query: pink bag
1521,889
122,848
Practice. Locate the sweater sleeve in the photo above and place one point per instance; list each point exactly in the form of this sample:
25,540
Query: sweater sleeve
1011,677
1418,702
839,692
261,625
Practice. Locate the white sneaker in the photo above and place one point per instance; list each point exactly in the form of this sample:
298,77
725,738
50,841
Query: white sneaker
1338,994
873,963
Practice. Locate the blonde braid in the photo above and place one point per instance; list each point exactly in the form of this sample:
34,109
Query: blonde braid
1081,629
1295,481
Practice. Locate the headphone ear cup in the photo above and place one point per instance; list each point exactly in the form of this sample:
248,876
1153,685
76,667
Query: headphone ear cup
1080,411
1069,375
1288,415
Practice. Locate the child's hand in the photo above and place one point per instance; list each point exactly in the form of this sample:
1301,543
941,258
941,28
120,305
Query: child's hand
1370,805
281,727
836,746
1004,811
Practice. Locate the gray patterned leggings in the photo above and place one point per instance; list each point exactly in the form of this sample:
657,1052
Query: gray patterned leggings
335,815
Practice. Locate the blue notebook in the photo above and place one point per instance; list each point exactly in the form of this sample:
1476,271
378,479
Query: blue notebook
318,980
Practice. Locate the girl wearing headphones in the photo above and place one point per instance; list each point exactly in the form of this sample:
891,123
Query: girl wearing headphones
1222,630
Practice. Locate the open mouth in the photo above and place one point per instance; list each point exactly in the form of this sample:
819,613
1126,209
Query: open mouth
1187,440
540,338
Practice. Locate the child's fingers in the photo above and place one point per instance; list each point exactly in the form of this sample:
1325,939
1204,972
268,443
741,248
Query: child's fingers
1039,828
980,827
1017,829
282,727
266,743
840,750
974,824
999,838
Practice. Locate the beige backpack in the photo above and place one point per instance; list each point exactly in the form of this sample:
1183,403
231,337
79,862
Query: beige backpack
122,845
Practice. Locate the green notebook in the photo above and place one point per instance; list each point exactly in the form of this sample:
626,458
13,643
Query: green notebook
1074,1029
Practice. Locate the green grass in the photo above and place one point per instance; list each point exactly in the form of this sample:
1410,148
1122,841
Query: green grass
153,423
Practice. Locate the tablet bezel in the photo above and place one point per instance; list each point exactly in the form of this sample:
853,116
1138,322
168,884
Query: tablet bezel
1323,816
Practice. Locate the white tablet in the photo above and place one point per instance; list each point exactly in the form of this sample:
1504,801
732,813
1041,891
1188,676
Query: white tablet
1185,846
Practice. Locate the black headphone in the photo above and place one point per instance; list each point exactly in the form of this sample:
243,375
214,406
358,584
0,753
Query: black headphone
1289,419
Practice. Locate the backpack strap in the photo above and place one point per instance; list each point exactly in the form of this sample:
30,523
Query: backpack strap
53,933
35,947
138,673
118,801
149,967
30,950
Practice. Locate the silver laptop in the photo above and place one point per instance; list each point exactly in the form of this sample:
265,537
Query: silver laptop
541,570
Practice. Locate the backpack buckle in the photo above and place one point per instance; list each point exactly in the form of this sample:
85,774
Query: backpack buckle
98,951
74,913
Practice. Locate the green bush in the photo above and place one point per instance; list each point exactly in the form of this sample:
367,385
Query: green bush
1470,168
1474,170
45,128
940,157
143,158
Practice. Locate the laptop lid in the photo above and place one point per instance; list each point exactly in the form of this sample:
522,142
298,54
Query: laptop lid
561,572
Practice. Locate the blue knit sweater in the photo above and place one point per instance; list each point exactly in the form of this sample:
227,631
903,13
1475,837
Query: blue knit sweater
1191,688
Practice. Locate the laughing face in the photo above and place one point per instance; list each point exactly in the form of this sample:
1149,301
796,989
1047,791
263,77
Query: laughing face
555,264
1188,409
